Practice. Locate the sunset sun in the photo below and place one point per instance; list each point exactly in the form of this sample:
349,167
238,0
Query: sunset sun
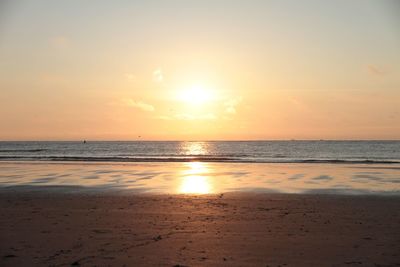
196,95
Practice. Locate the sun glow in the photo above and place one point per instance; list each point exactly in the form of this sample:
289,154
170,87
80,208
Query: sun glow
196,95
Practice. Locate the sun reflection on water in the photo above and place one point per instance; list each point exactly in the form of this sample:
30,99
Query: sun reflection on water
194,148
195,180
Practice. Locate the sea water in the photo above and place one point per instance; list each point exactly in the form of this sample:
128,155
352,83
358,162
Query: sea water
210,151
306,167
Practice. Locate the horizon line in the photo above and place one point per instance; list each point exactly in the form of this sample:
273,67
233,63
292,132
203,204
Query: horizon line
195,140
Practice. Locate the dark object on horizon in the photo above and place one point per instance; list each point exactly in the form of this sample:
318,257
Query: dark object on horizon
84,141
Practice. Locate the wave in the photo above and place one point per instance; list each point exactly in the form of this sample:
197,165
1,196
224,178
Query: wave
21,150
195,158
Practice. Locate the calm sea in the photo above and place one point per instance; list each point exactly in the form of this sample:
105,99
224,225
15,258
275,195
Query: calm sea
211,151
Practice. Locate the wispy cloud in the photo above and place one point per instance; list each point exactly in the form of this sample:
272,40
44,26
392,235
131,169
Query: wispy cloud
375,70
202,117
189,117
138,104
158,76
231,105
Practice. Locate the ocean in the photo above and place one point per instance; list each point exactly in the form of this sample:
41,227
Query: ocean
383,152
301,167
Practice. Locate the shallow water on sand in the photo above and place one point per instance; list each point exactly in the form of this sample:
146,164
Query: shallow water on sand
200,177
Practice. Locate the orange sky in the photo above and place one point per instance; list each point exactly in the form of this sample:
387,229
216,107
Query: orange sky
199,71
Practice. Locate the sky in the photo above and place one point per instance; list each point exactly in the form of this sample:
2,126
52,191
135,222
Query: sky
199,70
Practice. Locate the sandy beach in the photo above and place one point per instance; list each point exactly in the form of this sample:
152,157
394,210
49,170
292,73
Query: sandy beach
48,229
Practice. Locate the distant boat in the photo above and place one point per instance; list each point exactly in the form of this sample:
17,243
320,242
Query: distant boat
84,141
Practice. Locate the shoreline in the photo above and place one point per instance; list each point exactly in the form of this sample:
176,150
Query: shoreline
101,191
233,229
188,159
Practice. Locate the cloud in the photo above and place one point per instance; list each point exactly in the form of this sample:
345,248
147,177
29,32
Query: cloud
189,117
158,76
375,70
165,118
204,117
60,41
231,104
138,104
184,117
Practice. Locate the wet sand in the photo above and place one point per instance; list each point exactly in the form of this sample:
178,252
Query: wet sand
47,229
201,177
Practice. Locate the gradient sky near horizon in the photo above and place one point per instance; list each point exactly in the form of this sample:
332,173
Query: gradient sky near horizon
199,70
